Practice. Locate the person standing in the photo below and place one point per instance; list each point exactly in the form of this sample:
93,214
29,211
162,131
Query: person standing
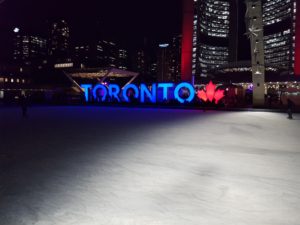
291,106
23,101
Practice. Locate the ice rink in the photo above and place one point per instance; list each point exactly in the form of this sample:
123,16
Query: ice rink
121,166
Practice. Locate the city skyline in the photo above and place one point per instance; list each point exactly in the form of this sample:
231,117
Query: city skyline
124,22
217,28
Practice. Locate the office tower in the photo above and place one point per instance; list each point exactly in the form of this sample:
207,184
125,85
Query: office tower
215,34
211,41
30,50
122,59
163,63
59,42
101,53
280,19
175,58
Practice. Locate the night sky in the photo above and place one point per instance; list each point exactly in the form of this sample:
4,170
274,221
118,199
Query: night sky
127,22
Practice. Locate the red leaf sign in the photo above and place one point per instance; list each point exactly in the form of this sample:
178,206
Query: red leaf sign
211,93
219,95
202,95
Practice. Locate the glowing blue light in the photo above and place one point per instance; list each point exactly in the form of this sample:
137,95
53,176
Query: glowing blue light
130,86
95,91
86,88
145,91
191,92
113,91
165,87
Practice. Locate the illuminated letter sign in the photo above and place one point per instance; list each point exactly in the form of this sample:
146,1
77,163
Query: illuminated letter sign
165,87
125,90
183,92
86,88
113,91
190,89
96,90
151,95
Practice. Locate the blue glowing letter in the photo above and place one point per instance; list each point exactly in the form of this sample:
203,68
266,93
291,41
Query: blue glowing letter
86,88
191,92
165,87
145,90
130,86
114,91
96,88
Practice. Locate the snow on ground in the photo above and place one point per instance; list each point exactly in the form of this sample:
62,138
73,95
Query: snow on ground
120,166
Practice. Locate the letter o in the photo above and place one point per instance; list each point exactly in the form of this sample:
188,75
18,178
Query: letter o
102,87
189,87
130,86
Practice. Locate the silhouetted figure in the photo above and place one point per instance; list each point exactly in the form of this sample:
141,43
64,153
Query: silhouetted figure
291,106
269,97
23,101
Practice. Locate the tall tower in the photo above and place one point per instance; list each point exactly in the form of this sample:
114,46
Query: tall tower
215,35
59,43
279,20
255,32
187,40
163,63
30,50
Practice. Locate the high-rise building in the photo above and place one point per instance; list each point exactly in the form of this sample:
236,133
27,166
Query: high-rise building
29,49
140,62
143,59
101,54
214,24
169,61
296,18
59,42
217,30
153,69
279,19
107,53
175,58
82,55
163,63
122,59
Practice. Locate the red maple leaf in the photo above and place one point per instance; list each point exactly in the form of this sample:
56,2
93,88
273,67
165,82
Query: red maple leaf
202,95
210,91
219,95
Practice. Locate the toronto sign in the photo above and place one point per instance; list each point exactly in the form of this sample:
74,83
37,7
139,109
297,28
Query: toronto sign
183,93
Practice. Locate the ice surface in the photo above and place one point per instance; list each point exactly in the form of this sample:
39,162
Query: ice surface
119,166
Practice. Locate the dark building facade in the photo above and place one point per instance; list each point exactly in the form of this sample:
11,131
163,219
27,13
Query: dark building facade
175,58
101,54
163,63
297,37
279,18
144,62
218,39
59,42
29,50
215,35
169,61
